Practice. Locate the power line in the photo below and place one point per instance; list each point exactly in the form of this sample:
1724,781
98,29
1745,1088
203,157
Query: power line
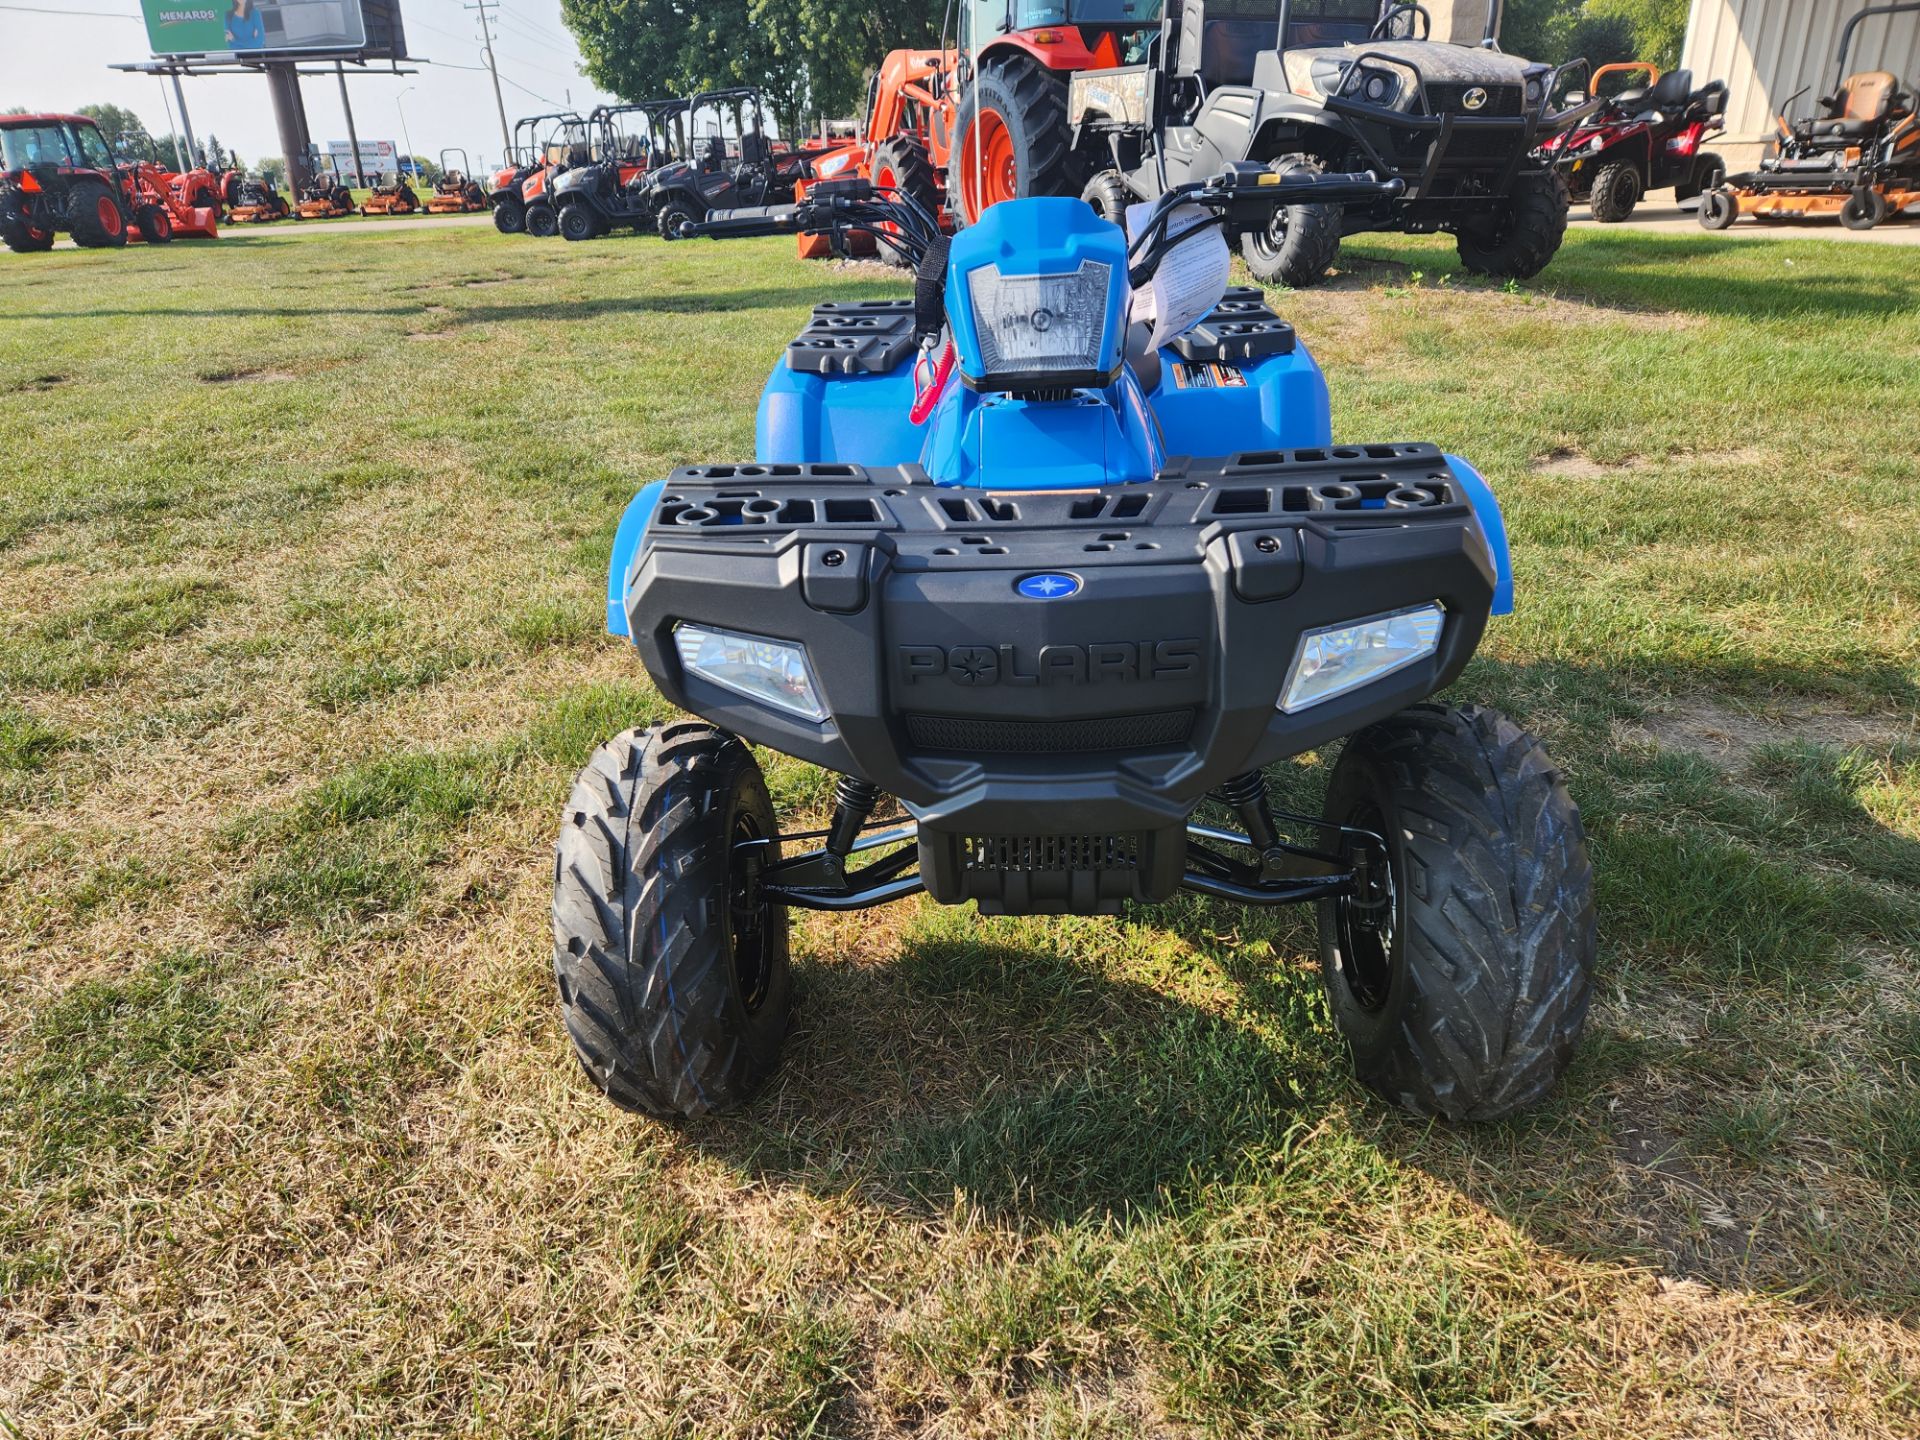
481,7
93,14
482,70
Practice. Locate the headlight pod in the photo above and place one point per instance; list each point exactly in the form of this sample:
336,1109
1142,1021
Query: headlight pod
1341,658
774,672
1041,325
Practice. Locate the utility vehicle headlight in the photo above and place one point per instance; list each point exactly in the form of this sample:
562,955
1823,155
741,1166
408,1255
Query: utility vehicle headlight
1041,324
1341,658
1535,89
774,672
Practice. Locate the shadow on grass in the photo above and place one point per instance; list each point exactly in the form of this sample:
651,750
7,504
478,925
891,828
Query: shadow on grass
1022,1063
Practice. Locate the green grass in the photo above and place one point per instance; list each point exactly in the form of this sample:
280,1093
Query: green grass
301,571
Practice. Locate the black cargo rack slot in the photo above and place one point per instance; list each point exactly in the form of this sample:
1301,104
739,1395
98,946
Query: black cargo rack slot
845,337
1240,327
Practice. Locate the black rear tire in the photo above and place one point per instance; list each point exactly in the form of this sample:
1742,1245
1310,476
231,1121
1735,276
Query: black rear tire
1517,243
510,217
902,162
1616,190
1109,195
1299,248
578,222
1033,102
94,217
675,990
1468,1001
1864,209
542,223
1718,208
1708,171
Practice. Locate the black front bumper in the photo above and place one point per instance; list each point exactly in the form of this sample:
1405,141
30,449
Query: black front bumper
1069,737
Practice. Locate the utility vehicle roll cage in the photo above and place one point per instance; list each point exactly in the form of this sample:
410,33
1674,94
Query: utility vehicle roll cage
668,116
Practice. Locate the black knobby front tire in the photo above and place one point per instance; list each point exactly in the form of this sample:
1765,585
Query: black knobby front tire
1517,242
542,223
156,225
1616,190
510,217
1718,208
1302,243
1865,208
1468,1001
1107,193
94,217
675,213
1032,100
675,991
578,222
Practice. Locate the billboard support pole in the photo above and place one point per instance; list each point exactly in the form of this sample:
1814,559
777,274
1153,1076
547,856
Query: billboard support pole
173,131
290,117
353,136
186,125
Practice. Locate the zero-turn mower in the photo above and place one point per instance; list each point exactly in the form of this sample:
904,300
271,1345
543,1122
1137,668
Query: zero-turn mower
454,193
325,198
257,201
396,198
1859,158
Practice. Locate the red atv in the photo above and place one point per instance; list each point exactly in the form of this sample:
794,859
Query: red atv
57,172
1646,138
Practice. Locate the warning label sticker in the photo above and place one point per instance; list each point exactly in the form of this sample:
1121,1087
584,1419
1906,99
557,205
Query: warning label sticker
1207,377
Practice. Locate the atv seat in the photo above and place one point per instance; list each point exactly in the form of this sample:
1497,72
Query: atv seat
1671,92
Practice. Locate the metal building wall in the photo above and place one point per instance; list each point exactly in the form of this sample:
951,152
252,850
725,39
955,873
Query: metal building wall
1767,49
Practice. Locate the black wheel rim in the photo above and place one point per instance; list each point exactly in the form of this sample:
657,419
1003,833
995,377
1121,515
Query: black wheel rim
747,917
1367,936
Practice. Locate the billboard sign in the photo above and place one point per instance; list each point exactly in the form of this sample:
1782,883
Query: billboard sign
249,27
377,157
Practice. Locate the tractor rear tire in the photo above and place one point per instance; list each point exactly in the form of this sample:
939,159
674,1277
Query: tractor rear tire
1299,248
94,217
674,985
1718,208
156,225
1616,190
1864,209
542,223
1517,244
510,217
578,222
1029,102
1108,195
1466,996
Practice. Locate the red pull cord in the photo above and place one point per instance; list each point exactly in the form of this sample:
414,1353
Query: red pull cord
924,401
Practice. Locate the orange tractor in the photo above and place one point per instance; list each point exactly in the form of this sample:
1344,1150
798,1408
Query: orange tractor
454,193
902,144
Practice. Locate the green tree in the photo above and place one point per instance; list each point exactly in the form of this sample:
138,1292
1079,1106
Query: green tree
1659,27
809,57
125,131
273,169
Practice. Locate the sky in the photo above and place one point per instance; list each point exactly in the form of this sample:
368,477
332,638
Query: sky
59,61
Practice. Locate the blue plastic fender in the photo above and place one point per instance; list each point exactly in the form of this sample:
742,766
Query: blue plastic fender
837,419
1277,402
626,544
1486,509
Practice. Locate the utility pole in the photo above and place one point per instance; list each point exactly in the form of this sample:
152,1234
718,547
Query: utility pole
481,7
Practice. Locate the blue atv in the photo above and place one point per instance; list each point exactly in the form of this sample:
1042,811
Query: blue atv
1051,581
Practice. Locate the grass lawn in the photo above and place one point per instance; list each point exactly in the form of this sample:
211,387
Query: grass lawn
302,549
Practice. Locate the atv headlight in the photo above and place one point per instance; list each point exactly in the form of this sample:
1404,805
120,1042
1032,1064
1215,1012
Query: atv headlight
1041,325
774,672
1341,658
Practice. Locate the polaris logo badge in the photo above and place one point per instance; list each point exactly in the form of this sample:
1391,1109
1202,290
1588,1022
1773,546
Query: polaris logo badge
1049,587
1117,661
1474,98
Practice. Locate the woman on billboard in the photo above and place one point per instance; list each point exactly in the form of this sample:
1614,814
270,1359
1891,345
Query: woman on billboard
246,30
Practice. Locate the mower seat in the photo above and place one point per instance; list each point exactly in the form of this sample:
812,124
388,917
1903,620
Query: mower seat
1858,109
